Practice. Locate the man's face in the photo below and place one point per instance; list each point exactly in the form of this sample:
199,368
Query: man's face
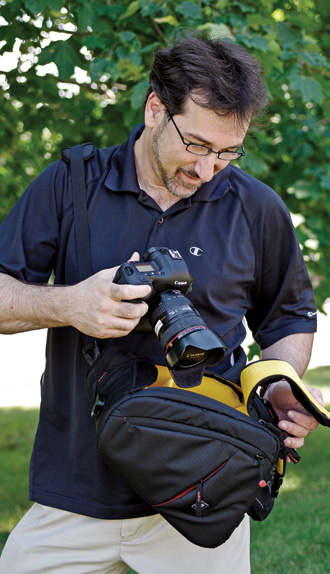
178,170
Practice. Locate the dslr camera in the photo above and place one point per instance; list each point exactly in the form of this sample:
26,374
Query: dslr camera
182,333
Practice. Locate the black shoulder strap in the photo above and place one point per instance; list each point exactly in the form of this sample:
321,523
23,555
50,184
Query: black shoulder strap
76,155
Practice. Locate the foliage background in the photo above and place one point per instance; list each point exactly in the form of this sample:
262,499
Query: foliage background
82,72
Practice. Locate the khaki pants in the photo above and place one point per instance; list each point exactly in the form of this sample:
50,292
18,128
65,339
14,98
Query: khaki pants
53,541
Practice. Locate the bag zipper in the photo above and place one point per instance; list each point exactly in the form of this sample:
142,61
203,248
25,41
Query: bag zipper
199,504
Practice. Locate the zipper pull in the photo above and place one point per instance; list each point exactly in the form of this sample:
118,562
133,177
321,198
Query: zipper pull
262,482
199,501
200,504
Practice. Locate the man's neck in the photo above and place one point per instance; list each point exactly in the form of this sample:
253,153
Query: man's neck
147,177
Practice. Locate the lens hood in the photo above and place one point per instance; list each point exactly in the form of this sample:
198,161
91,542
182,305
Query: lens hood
189,349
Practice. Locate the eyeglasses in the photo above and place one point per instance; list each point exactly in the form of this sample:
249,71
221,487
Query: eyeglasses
199,149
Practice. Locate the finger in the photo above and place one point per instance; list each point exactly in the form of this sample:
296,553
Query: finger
119,328
294,442
134,311
302,427
303,419
128,292
316,393
135,257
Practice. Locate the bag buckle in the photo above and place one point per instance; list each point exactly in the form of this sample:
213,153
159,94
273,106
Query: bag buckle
98,405
91,352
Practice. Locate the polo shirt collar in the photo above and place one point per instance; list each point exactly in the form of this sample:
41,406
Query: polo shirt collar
122,174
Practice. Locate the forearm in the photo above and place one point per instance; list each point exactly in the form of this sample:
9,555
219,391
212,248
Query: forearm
295,349
96,306
25,307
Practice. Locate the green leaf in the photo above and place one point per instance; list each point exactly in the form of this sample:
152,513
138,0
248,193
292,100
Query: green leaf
85,17
310,89
257,20
97,68
303,189
289,37
253,41
126,36
138,94
217,30
189,10
314,59
131,10
63,56
148,8
36,6
56,5
128,71
272,62
254,163
167,20
325,180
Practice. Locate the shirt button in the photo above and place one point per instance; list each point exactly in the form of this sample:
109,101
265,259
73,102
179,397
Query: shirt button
161,220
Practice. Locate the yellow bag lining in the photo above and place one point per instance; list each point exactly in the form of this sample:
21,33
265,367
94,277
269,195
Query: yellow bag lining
212,387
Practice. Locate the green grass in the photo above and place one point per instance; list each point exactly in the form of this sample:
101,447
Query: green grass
294,539
17,430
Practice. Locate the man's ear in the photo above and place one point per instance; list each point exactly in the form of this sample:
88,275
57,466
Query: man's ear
154,111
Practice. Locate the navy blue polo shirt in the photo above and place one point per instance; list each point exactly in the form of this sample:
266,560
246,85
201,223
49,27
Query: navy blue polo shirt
238,241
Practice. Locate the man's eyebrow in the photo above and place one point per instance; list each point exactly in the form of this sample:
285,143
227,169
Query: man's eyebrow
197,137
208,144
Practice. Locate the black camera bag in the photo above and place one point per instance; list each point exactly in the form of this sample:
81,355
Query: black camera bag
198,462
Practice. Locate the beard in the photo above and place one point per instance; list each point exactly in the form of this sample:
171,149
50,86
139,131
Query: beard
175,184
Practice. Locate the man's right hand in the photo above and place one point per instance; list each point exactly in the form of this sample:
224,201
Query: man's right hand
97,306
101,308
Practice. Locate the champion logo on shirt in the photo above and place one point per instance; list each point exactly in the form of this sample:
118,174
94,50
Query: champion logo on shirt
197,251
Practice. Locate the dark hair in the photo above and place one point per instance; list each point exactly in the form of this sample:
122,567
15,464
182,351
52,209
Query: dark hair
215,74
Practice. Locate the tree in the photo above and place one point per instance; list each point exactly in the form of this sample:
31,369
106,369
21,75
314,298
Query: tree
82,72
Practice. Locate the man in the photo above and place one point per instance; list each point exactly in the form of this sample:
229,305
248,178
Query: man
171,184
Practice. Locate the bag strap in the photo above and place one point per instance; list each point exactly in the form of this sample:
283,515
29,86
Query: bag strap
266,372
76,156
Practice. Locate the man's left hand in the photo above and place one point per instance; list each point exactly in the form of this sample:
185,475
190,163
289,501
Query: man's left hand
294,419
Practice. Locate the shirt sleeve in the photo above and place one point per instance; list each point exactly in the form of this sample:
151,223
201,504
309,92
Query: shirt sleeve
29,234
282,299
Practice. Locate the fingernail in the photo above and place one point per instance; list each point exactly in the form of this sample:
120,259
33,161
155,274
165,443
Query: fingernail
291,414
283,425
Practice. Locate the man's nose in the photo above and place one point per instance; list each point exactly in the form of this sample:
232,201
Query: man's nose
207,166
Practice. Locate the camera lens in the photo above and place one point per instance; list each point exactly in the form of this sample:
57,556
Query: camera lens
182,333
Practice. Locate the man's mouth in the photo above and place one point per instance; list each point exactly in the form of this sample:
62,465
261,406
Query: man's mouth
191,177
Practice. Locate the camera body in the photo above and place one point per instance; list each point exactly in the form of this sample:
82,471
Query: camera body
188,343
162,269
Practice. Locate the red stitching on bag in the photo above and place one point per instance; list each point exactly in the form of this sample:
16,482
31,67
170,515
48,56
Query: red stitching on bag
192,487
101,377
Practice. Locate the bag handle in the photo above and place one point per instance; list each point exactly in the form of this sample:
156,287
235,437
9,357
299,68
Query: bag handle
266,372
